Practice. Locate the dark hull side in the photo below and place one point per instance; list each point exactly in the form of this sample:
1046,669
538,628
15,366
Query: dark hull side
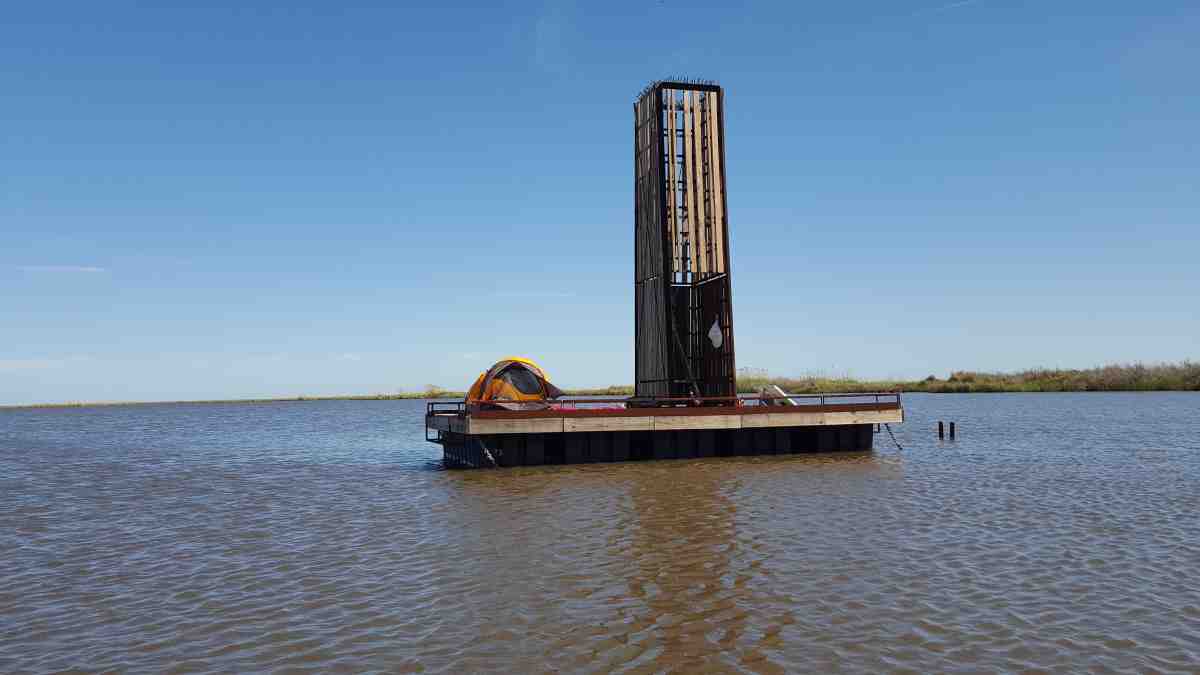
532,449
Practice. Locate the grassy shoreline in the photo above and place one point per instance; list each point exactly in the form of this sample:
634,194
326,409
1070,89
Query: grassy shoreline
1183,376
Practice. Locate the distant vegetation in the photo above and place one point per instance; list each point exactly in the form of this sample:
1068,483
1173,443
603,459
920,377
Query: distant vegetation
1183,376
614,390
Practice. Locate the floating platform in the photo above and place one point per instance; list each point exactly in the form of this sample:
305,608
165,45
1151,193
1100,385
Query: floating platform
576,431
685,374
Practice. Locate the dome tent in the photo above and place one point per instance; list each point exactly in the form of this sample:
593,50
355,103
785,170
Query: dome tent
514,383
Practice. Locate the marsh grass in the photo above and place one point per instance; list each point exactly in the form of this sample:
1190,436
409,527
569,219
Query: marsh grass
1182,376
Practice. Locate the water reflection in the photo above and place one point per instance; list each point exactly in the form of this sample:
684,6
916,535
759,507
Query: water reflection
325,536
659,561
680,566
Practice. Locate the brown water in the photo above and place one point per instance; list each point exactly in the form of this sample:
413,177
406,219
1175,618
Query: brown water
1059,533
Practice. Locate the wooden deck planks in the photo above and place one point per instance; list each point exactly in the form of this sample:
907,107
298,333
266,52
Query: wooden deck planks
670,422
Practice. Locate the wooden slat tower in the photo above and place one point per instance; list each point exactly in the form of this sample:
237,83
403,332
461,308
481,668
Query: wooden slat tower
683,301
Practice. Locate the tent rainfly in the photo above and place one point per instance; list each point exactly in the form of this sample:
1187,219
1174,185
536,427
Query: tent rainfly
514,383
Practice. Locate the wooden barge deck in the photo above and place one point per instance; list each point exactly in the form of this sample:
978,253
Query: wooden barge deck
607,430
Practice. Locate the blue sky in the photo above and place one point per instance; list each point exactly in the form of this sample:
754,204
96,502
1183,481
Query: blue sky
249,199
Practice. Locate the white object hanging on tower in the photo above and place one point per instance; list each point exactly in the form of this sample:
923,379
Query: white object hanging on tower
715,334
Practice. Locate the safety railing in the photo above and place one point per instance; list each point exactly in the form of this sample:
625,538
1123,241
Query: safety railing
889,399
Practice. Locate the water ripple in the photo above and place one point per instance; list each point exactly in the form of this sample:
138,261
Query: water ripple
1058,533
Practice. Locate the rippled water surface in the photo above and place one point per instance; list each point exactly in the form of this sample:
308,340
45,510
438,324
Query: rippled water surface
1059,533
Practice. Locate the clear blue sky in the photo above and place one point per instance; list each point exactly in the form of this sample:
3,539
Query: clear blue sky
243,199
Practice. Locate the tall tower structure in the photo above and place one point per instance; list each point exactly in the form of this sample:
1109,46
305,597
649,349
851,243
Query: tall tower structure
683,298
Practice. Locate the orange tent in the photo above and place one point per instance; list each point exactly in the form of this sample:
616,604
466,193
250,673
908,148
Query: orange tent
514,382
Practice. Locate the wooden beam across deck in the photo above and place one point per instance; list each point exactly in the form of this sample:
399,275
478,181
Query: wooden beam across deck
663,419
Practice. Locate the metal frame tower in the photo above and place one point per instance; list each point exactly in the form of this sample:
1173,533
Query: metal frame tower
683,297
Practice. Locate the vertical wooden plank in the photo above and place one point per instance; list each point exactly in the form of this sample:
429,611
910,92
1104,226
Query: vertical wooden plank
620,446
535,450
689,197
700,229
673,185
715,173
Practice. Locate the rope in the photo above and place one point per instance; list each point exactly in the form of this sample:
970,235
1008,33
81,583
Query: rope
488,454
889,430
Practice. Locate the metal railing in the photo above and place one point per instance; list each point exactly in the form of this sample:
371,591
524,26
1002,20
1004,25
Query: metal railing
889,398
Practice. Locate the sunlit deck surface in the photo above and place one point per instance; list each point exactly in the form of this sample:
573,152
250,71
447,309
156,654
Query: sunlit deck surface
582,415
